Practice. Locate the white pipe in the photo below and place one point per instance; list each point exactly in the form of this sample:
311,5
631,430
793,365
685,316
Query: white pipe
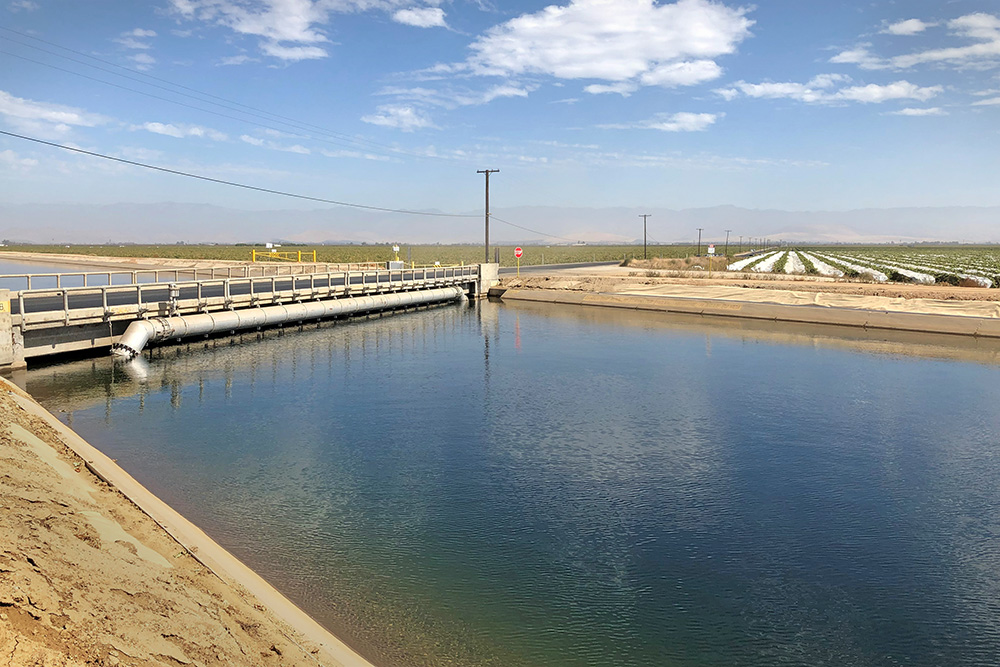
141,332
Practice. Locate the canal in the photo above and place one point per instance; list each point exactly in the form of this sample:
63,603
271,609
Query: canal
560,486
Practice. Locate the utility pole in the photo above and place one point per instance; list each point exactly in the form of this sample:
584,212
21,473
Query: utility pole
727,243
741,243
487,172
699,241
644,216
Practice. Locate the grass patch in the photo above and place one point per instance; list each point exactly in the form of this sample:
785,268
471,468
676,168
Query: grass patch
418,254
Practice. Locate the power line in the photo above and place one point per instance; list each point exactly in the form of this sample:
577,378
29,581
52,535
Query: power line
357,144
276,192
298,125
533,231
233,183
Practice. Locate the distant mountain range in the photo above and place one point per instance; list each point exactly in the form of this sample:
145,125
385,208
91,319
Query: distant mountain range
204,223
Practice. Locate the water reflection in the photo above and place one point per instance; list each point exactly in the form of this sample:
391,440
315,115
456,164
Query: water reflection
546,485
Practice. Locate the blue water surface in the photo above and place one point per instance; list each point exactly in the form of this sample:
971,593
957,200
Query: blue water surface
560,486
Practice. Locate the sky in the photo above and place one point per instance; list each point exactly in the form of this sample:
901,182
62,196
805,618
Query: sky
784,104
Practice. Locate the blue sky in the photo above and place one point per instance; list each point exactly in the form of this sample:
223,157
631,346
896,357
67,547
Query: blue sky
786,104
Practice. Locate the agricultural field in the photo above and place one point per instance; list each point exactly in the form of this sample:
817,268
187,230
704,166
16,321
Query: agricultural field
970,266
418,254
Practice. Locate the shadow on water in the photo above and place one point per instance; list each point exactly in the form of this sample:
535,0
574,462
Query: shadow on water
528,484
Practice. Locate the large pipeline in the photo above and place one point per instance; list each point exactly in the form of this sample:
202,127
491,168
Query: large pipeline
141,332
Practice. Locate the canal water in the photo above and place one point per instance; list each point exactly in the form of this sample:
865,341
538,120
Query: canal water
12,274
537,485
10,268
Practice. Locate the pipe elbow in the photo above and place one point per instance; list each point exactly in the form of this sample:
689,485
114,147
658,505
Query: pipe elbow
134,339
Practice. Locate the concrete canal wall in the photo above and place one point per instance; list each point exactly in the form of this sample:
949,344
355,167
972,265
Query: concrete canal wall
966,318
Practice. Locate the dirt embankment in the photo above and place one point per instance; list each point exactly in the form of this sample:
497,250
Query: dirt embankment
86,578
618,278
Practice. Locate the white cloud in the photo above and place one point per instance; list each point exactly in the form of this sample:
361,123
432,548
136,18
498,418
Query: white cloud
635,42
977,26
22,6
143,61
981,28
288,29
898,90
990,102
828,80
133,43
293,53
237,60
907,27
812,91
503,91
861,57
452,99
687,73
50,119
275,146
358,155
11,160
132,39
422,17
625,88
817,90
909,111
678,122
795,91
400,116
280,135
141,153
181,131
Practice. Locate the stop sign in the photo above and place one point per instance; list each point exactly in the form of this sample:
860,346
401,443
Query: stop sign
518,252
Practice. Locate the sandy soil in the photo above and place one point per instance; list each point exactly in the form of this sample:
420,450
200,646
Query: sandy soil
613,279
86,578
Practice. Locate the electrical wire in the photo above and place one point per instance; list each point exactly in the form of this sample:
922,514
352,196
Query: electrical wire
357,145
533,231
298,125
235,184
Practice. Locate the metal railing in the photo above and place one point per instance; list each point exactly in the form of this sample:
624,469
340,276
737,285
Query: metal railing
274,255
83,304
29,281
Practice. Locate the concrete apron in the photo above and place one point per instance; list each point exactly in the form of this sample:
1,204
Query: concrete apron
809,314
11,344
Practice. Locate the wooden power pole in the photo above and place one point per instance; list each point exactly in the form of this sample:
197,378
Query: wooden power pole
487,172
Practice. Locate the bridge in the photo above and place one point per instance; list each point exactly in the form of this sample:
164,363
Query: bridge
89,311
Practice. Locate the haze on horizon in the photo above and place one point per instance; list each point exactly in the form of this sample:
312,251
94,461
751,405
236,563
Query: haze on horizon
586,106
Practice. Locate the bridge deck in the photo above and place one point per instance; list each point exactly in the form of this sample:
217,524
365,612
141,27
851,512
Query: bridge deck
55,320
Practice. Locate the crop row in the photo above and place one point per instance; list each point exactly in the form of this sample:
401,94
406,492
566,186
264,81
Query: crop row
974,267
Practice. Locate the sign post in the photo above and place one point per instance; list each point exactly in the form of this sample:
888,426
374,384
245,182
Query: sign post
517,253
711,256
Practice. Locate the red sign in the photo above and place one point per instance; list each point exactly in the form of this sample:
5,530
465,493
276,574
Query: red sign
518,252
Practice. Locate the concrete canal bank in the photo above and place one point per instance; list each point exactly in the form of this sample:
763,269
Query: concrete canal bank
96,570
979,318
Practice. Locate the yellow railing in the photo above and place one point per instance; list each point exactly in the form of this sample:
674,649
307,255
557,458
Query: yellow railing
273,255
